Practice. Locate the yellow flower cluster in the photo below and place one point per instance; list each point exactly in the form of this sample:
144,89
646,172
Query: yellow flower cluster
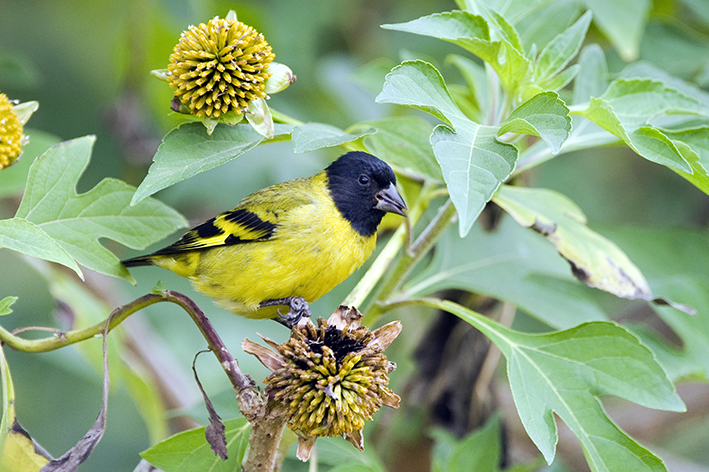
219,67
10,133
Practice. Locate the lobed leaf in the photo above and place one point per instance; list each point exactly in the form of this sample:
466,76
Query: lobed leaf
22,236
189,450
565,372
77,222
544,115
188,150
311,136
674,260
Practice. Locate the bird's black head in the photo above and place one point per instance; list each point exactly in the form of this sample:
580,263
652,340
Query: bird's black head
363,189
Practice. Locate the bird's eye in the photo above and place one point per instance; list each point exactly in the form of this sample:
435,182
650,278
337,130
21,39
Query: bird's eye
363,180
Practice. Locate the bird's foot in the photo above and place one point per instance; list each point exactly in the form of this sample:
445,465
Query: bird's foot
298,308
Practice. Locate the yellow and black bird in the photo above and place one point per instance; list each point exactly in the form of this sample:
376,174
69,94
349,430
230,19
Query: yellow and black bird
287,243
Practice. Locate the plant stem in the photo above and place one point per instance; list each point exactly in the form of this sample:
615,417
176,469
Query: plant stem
60,340
409,259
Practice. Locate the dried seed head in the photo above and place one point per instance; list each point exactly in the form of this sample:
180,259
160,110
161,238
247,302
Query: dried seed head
11,138
331,377
219,67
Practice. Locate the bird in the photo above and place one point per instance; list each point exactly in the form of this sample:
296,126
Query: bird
289,244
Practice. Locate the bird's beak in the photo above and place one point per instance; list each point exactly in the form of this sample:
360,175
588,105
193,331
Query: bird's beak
390,201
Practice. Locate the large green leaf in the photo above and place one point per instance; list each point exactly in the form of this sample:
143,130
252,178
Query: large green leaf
565,372
473,161
188,150
189,451
22,236
675,262
544,115
77,222
511,264
472,33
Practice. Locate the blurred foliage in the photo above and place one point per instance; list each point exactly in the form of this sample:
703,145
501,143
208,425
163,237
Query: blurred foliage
88,64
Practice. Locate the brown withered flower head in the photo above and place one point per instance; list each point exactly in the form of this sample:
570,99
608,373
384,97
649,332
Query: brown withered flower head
219,67
331,377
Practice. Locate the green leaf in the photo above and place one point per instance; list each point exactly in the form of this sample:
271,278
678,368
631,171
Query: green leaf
189,451
311,136
5,305
419,85
565,372
595,260
474,164
510,264
472,33
188,150
627,108
480,450
694,145
674,260
404,143
473,161
622,22
77,222
636,102
560,50
544,115
22,236
592,78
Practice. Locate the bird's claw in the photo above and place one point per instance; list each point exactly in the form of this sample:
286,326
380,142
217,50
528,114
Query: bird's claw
298,308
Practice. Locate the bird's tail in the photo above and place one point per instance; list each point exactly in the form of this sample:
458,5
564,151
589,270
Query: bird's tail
139,261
